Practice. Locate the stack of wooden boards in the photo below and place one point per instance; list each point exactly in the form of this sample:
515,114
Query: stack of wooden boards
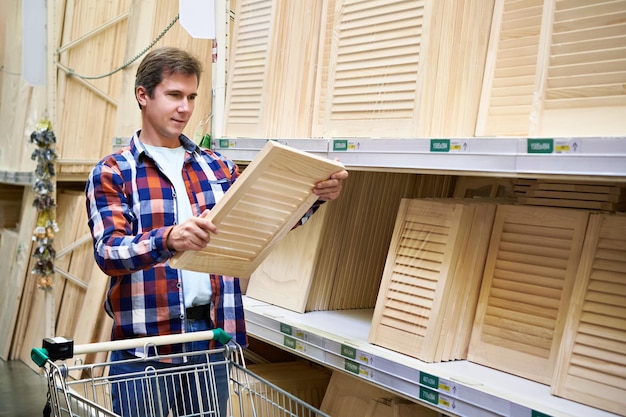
78,287
335,260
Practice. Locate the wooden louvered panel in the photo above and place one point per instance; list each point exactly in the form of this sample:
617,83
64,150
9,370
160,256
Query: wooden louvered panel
371,56
586,38
591,366
586,71
410,307
248,69
281,179
509,82
525,291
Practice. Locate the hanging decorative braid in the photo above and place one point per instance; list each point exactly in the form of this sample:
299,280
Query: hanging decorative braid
43,235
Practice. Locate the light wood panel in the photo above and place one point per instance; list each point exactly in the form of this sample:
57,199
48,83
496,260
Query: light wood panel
431,278
248,74
529,274
387,70
271,79
21,105
305,381
8,289
603,196
265,202
86,108
16,282
335,262
349,396
591,367
555,68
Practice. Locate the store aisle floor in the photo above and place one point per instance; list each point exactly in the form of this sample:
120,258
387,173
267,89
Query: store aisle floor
22,390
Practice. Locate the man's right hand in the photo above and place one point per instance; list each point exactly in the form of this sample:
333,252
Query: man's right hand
192,234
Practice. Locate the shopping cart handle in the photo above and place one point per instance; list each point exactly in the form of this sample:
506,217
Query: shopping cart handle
62,348
221,336
39,356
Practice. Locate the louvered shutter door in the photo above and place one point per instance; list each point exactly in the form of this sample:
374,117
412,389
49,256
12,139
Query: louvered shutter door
529,274
422,256
555,68
509,82
368,86
591,366
585,87
248,69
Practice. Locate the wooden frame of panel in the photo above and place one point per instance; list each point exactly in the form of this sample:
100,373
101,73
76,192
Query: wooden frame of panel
265,202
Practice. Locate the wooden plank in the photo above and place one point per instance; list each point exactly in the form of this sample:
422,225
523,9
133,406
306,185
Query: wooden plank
590,367
283,178
519,322
8,287
21,105
284,277
12,323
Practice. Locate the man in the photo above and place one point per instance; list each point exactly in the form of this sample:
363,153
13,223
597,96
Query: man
145,203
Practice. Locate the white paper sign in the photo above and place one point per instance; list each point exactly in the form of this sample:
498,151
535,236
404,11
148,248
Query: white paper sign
197,17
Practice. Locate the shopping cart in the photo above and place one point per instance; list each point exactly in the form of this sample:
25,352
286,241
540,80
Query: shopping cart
87,390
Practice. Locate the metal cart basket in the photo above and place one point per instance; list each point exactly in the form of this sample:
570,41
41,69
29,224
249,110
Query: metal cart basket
185,388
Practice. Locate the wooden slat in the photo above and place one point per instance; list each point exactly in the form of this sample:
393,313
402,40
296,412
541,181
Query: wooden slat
18,295
289,173
591,368
520,316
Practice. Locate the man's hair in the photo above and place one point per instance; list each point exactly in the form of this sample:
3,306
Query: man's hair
162,62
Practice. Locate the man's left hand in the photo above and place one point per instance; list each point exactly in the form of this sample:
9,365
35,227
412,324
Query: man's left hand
330,189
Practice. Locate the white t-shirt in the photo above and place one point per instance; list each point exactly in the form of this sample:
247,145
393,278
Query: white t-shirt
196,285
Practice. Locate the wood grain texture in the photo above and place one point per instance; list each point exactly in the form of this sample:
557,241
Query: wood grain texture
265,202
526,287
591,367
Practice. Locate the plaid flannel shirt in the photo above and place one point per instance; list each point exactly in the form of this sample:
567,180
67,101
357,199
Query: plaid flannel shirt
131,207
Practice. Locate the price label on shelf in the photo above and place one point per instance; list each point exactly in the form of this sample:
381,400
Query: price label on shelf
567,145
345,145
358,369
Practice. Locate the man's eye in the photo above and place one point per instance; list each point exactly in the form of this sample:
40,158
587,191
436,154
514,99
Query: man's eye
192,98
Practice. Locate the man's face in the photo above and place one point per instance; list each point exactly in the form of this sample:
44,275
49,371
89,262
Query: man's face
165,115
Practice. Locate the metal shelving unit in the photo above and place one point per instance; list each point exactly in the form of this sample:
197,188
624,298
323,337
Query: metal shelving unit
602,158
338,339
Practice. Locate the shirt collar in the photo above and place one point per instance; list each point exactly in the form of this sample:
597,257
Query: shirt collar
137,149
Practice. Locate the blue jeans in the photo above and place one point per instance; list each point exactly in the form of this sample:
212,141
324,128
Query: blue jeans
160,387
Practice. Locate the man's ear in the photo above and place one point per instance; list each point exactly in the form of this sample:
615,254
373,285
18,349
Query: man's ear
141,95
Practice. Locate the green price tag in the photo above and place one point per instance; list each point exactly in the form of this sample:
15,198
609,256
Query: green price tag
540,145
286,329
440,145
289,342
538,414
340,145
224,143
429,396
429,380
348,352
352,367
